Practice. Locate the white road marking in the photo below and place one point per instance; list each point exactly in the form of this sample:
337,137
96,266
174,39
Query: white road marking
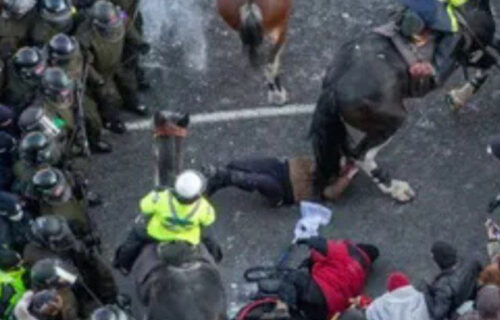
234,115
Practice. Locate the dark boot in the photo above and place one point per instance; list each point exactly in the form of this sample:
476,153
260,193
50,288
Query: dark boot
218,178
93,199
115,126
101,146
129,250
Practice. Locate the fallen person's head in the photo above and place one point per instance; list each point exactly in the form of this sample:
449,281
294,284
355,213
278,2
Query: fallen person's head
371,251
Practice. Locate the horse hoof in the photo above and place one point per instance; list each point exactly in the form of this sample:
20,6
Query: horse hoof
401,191
452,101
277,97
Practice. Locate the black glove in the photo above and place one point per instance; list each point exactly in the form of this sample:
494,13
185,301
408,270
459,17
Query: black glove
493,205
144,48
316,243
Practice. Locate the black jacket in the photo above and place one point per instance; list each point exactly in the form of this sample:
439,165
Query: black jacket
451,288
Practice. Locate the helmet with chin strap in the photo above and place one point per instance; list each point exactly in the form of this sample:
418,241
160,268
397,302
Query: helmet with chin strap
189,186
51,184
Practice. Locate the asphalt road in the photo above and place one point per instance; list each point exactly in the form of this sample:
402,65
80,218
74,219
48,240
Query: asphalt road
197,66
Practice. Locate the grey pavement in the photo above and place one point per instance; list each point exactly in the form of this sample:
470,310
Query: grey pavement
197,66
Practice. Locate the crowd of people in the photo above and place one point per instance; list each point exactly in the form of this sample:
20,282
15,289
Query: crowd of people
67,68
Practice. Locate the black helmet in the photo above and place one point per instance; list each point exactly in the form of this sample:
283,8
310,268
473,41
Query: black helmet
51,184
11,206
18,8
51,273
57,85
34,118
109,312
57,12
7,144
107,19
53,232
29,62
61,48
9,259
35,148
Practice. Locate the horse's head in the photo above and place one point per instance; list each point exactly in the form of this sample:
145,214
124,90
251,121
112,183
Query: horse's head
170,123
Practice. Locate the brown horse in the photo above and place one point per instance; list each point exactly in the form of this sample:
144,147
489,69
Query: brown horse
258,21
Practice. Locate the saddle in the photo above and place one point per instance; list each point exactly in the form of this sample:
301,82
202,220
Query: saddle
416,55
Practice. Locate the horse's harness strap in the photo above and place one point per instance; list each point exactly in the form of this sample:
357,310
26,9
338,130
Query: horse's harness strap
170,130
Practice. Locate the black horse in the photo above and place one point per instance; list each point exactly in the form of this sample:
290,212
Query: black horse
191,289
363,92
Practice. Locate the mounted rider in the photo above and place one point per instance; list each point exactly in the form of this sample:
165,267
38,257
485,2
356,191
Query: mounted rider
440,16
176,218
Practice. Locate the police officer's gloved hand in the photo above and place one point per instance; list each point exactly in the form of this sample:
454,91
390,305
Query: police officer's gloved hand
494,204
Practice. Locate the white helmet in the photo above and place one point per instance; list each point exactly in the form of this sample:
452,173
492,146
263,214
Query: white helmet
189,186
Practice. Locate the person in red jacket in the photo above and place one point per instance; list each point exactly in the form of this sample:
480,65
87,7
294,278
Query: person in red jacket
337,272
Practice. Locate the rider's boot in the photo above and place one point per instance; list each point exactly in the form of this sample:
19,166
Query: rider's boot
129,250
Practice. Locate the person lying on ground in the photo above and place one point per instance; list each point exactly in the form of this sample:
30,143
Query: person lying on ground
402,301
337,272
280,181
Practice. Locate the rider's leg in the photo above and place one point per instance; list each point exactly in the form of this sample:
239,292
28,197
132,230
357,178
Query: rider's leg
444,58
262,175
129,250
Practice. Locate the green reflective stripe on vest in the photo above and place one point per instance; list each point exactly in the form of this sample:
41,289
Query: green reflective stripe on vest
176,220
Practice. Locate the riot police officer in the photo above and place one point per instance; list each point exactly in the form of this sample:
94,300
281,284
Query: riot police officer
7,149
35,150
12,281
103,37
54,16
56,193
14,221
16,19
52,236
64,52
23,78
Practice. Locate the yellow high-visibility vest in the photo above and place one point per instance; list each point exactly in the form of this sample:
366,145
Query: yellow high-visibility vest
174,221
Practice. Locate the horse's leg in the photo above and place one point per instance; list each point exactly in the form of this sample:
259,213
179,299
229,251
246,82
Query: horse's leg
457,98
276,92
373,143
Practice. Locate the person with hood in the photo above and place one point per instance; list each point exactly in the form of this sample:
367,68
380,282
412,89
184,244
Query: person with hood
337,273
454,285
402,301
487,304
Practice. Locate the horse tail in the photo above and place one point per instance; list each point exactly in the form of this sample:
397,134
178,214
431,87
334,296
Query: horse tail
251,29
329,136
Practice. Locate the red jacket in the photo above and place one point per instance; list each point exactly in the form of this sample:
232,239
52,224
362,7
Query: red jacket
340,275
